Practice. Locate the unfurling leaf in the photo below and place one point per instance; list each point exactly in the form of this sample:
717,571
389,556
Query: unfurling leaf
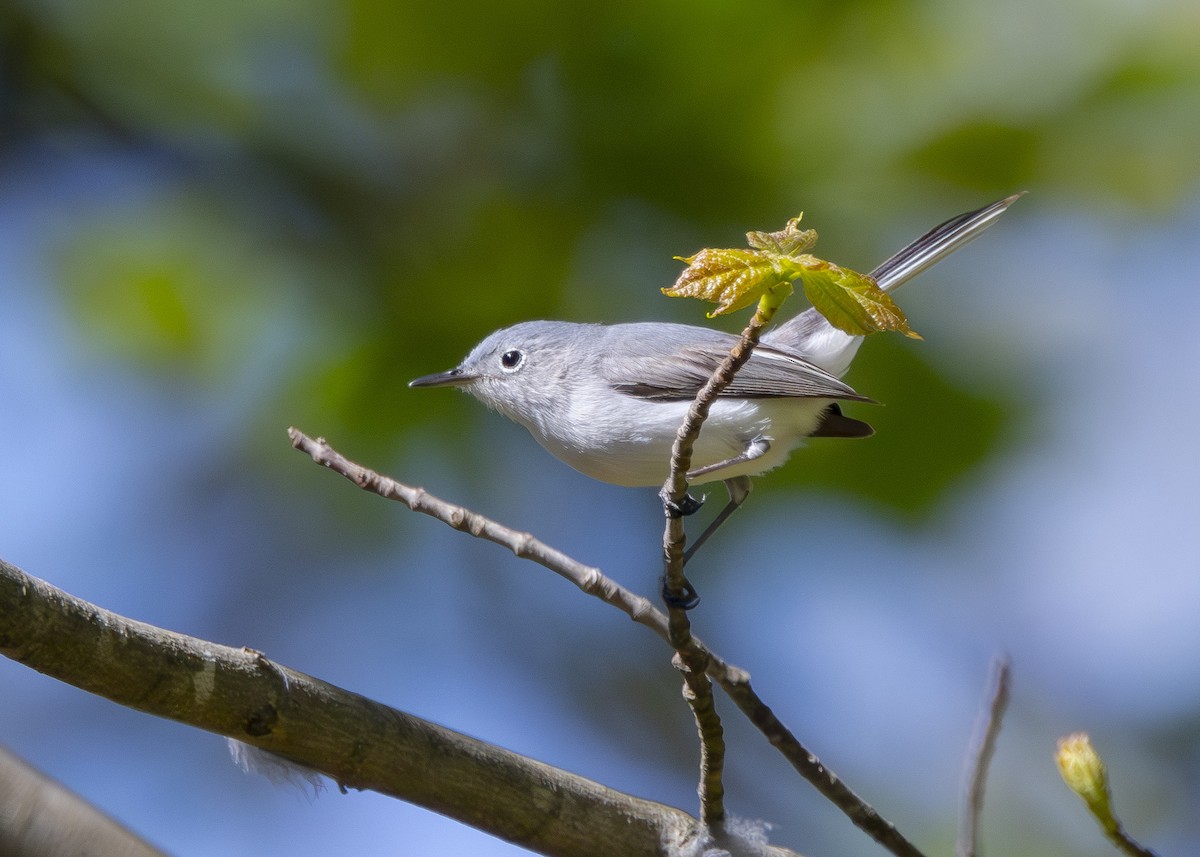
791,241
850,301
732,279
1083,771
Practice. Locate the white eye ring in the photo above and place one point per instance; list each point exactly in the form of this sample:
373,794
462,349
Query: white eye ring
512,360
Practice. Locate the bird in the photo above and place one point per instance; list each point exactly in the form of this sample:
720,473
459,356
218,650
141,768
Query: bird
608,400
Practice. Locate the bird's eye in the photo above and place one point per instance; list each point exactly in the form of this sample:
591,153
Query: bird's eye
511,361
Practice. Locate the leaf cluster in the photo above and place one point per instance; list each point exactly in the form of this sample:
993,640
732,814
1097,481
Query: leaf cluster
735,278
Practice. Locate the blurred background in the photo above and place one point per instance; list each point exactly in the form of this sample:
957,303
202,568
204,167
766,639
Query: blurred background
221,219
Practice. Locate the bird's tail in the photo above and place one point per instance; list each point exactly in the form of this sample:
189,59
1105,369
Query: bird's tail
821,343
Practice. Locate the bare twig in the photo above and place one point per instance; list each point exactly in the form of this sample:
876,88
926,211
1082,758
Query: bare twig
360,743
983,745
734,681
825,781
1126,844
591,580
676,487
697,691
691,658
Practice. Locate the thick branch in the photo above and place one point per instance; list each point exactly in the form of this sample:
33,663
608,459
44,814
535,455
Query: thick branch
359,743
40,817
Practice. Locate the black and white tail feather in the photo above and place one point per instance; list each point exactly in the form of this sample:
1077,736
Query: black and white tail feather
812,336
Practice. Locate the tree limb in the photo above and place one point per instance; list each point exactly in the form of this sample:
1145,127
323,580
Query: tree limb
361,744
43,818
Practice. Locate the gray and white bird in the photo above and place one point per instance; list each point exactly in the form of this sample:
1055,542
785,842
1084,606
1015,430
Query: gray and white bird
609,399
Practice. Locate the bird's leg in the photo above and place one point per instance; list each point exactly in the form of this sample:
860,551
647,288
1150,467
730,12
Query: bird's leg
739,490
738,487
757,448
689,505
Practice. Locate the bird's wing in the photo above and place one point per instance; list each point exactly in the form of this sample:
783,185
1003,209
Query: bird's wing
660,369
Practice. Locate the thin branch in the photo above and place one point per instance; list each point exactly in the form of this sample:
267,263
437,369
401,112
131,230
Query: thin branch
825,781
1126,844
360,743
524,545
675,488
690,658
692,662
983,746
734,681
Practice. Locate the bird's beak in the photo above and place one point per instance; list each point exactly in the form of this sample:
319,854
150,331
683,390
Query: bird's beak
452,378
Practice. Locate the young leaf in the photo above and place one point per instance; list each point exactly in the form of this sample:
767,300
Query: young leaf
1084,772
732,279
850,301
791,241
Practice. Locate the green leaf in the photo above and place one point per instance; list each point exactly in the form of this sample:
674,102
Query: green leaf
851,301
790,241
732,279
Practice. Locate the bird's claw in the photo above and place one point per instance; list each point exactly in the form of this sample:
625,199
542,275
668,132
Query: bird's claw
687,505
685,598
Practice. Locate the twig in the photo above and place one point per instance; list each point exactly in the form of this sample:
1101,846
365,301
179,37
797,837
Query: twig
690,658
697,691
524,545
675,489
734,681
825,781
983,745
1127,845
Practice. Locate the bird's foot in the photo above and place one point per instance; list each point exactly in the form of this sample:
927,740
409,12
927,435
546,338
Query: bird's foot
685,598
688,505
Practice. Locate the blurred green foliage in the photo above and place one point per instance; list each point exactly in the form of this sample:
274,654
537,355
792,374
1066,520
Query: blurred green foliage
922,444
383,183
